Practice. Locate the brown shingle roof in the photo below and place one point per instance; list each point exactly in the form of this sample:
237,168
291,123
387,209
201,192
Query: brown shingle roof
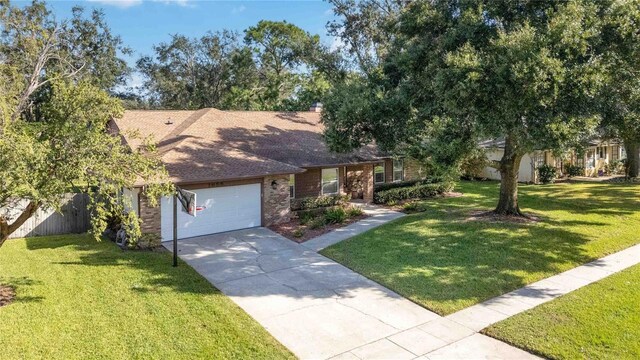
210,144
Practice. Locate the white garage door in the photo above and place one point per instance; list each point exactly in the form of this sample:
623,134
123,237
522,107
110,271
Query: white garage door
226,208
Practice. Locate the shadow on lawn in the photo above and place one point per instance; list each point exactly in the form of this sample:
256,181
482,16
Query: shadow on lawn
155,265
439,259
18,284
470,261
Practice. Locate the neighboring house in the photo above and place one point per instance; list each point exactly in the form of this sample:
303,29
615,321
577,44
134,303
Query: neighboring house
494,150
246,166
597,155
594,159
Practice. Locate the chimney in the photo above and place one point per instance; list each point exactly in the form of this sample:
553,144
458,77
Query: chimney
316,107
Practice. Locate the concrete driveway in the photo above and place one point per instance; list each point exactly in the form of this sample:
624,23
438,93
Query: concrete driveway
318,308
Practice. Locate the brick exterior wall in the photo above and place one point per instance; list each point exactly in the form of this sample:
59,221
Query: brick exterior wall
308,183
388,170
360,177
367,174
276,203
413,170
150,217
354,181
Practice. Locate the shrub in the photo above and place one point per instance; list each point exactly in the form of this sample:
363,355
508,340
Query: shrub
335,216
319,202
316,223
298,233
399,184
547,173
149,241
473,166
353,211
574,170
412,192
615,167
306,217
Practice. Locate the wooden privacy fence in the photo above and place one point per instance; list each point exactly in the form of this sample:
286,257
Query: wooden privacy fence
73,218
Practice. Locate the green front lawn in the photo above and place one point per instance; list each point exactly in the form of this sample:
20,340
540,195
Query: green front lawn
80,299
599,321
446,261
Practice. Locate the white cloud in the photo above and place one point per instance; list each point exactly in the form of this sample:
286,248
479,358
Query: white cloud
124,4
184,3
238,9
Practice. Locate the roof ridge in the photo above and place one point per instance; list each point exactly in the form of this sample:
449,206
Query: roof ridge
180,129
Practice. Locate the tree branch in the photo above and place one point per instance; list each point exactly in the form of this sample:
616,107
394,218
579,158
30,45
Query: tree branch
496,164
7,229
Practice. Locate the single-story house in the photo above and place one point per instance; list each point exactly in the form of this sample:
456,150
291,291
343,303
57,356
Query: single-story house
246,166
594,159
597,155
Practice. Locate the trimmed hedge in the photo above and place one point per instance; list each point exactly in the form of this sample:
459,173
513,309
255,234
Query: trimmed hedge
310,203
399,184
419,191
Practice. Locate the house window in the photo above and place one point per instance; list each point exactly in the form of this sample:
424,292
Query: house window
601,152
378,173
398,170
292,186
615,152
538,160
591,159
329,181
580,161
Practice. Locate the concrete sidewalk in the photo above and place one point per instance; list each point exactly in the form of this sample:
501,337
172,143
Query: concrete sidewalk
320,309
478,317
377,216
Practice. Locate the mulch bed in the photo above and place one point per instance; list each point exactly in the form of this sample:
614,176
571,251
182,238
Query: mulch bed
287,229
7,294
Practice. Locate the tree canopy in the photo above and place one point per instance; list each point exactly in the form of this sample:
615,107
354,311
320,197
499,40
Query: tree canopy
276,66
55,110
460,72
193,73
620,98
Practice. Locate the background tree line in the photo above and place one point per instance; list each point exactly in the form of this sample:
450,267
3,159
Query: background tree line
275,66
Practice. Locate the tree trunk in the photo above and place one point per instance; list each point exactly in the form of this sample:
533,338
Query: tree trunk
633,158
7,229
509,169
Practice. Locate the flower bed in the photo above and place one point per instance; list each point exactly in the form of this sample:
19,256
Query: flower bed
313,223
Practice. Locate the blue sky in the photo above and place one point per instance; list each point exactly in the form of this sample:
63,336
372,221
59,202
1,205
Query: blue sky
141,24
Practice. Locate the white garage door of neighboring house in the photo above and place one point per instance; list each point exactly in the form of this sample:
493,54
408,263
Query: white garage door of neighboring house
226,208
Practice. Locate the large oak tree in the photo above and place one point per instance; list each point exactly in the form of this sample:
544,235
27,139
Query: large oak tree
620,98
463,71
